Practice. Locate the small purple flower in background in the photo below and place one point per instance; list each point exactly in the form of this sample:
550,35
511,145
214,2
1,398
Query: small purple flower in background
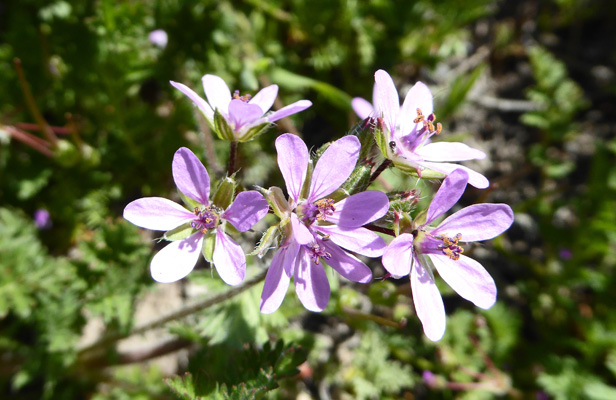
426,247
42,219
318,227
179,257
410,129
158,38
428,378
243,114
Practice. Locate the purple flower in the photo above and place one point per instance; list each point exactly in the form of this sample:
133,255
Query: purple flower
158,38
245,116
409,130
424,247
191,228
317,227
42,219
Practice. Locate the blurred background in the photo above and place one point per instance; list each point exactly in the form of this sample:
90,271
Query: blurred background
89,123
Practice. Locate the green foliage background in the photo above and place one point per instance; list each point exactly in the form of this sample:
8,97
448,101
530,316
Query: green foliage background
531,83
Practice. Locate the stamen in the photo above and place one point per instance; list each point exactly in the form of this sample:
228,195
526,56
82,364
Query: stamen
439,128
325,209
420,117
451,248
245,98
318,252
206,219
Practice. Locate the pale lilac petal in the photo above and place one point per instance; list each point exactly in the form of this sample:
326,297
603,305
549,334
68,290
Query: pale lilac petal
360,209
199,102
387,100
217,93
278,278
242,113
428,302
362,107
229,259
293,162
468,278
398,256
265,98
449,151
477,222
247,209
190,176
419,96
347,265
156,213
311,284
291,109
474,178
177,259
358,240
301,234
447,195
334,167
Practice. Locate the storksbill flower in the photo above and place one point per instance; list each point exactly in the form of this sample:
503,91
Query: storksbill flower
423,247
317,227
243,117
178,258
408,130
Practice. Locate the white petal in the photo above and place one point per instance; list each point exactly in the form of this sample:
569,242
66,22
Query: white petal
177,259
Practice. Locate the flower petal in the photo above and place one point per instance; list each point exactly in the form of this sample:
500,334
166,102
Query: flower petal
242,113
474,178
278,278
419,96
428,303
362,107
387,100
247,209
229,259
334,167
447,195
477,222
311,284
291,109
468,278
293,162
177,259
347,265
449,151
398,256
360,209
265,98
217,93
199,102
156,213
301,234
358,240
190,176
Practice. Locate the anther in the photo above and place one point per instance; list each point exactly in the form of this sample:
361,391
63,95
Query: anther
439,128
420,117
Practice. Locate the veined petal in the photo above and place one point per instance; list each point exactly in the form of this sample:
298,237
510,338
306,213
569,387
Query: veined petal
199,102
334,167
419,96
468,278
293,162
360,209
156,213
347,265
278,278
474,178
242,113
229,259
248,208
477,222
387,100
217,92
398,256
265,98
291,109
362,107
190,176
301,234
428,303
177,259
358,240
311,284
449,151
447,195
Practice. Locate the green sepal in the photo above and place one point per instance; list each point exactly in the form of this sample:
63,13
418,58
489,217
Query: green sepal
181,232
222,128
269,240
420,218
306,186
208,246
255,132
359,179
275,198
365,133
381,138
405,224
320,152
225,192
192,204
412,170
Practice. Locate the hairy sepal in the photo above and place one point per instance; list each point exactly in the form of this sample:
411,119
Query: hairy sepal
222,128
181,232
225,192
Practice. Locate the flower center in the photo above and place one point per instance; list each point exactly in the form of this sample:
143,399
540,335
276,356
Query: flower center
206,218
319,211
245,98
317,252
451,248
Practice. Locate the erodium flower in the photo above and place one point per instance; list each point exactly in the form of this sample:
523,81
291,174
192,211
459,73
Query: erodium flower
424,247
234,117
408,131
192,228
317,227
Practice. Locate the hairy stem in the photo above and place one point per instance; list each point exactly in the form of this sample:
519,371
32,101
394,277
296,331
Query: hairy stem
379,170
232,158
375,228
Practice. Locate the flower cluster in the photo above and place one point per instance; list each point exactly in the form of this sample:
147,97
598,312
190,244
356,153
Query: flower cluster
329,216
